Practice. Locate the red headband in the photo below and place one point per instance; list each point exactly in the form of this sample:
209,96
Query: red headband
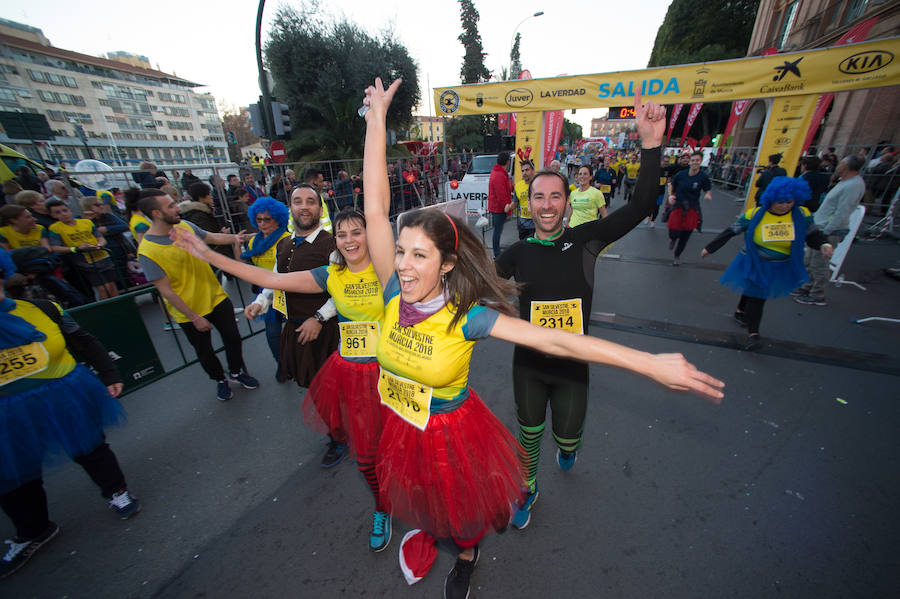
455,232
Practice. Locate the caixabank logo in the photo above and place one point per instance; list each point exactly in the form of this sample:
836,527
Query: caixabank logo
866,62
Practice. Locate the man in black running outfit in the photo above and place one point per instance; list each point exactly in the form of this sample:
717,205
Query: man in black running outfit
556,268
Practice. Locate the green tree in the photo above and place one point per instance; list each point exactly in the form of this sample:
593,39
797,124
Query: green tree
571,131
717,30
464,133
473,69
320,69
515,61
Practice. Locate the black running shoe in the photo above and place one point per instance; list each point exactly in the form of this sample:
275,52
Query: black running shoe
21,550
334,455
456,586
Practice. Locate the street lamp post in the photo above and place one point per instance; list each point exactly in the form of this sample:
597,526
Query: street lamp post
512,40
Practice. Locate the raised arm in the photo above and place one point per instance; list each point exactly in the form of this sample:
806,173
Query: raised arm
375,179
295,282
670,370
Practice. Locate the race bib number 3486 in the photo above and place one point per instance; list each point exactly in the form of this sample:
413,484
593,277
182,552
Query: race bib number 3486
22,361
563,314
778,232
408,399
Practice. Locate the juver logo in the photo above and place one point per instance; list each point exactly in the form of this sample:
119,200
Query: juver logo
519,98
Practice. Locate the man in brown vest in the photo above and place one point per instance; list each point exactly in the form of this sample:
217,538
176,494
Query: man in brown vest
310,333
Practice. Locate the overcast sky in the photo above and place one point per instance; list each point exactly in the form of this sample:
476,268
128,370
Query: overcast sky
213,42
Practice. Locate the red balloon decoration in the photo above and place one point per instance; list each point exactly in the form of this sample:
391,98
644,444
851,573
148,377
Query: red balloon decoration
454,184
410,179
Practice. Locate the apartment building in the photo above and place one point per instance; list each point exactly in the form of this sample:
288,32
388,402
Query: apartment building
116,108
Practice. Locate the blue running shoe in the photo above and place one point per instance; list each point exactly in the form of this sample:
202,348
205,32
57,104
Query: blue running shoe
565,459
522,517
381,532
223,391
246,381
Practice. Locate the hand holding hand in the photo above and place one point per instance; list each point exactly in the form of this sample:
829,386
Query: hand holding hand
675,372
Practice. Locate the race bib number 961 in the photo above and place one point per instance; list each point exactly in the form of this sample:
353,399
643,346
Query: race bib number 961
563,314
408,399
22,361
358,339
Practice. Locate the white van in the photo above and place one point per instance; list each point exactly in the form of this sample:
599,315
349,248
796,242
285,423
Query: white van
474,185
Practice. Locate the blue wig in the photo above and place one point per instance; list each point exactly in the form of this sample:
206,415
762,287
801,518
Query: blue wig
785,189
276,210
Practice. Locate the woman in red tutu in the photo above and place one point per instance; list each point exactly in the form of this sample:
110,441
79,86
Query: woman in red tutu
342,399
445,463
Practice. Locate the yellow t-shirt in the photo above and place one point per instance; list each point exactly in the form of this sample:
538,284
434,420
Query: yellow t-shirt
191,279
631,169
138,224
359,300
18,240
74,235
585,205
266,259
775,233
521,189
426,352
47,359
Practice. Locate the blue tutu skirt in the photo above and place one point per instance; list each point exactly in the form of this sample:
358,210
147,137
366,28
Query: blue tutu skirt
64,416
778,275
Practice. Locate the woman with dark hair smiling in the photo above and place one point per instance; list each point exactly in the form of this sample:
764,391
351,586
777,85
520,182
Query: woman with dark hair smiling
342,400
445,463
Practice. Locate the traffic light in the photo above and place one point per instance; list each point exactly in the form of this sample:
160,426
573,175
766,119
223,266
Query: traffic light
230,137
257,125
281,118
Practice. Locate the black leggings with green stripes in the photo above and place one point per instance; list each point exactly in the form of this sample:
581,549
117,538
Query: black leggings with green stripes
538,380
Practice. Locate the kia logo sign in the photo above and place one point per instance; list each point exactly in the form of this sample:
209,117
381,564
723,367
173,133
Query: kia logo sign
519,98
866,62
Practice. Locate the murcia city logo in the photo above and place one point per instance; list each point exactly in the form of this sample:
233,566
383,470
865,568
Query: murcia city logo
787,67
699,88
449,101
519,98
866,62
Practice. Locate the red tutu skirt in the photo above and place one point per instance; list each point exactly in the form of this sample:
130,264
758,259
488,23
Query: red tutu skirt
342,400
459,478
683,220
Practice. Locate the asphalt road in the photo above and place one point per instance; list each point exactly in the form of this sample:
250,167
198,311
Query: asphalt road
788,489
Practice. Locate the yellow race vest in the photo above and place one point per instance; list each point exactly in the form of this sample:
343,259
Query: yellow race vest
191,279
